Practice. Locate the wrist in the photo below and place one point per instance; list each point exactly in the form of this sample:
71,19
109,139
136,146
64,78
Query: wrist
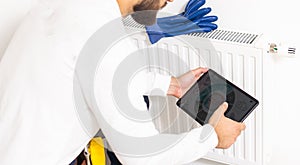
174,88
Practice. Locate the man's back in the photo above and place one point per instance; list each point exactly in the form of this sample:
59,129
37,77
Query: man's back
37,112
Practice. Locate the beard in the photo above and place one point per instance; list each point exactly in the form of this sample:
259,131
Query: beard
145,12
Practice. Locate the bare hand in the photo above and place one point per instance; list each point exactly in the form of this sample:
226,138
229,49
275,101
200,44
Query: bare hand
180,85
226,129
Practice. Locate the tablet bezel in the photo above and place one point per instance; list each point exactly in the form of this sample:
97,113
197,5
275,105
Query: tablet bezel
210,71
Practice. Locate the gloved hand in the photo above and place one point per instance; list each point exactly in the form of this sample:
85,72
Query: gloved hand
192,20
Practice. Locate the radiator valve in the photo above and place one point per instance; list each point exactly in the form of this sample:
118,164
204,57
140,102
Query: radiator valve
281,50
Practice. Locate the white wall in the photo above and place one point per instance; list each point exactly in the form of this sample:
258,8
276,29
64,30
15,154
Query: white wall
278,21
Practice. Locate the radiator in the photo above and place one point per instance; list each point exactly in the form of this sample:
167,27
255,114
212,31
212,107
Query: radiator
239,60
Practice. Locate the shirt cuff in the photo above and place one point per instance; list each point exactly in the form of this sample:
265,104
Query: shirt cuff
208,132
158,84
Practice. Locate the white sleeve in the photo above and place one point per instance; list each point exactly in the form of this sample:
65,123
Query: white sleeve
189,149
150,84
157,81
129,129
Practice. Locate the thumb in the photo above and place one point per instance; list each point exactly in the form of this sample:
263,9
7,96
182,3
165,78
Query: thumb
222,108
218,114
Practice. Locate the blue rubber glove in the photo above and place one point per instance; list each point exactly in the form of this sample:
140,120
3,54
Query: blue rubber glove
192,20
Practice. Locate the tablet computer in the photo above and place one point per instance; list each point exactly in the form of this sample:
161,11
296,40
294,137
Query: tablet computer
209,92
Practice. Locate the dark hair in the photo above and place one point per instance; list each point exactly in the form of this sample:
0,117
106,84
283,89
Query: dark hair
147,5
146,11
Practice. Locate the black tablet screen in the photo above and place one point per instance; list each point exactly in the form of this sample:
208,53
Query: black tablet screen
209,92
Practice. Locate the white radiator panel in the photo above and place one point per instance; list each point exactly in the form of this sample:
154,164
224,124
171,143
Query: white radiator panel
240,63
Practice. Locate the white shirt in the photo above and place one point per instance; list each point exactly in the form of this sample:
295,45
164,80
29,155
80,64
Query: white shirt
39,123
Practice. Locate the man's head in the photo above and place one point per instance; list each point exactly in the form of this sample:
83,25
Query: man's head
143,11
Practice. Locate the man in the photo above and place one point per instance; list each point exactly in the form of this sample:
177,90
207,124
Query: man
38,118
